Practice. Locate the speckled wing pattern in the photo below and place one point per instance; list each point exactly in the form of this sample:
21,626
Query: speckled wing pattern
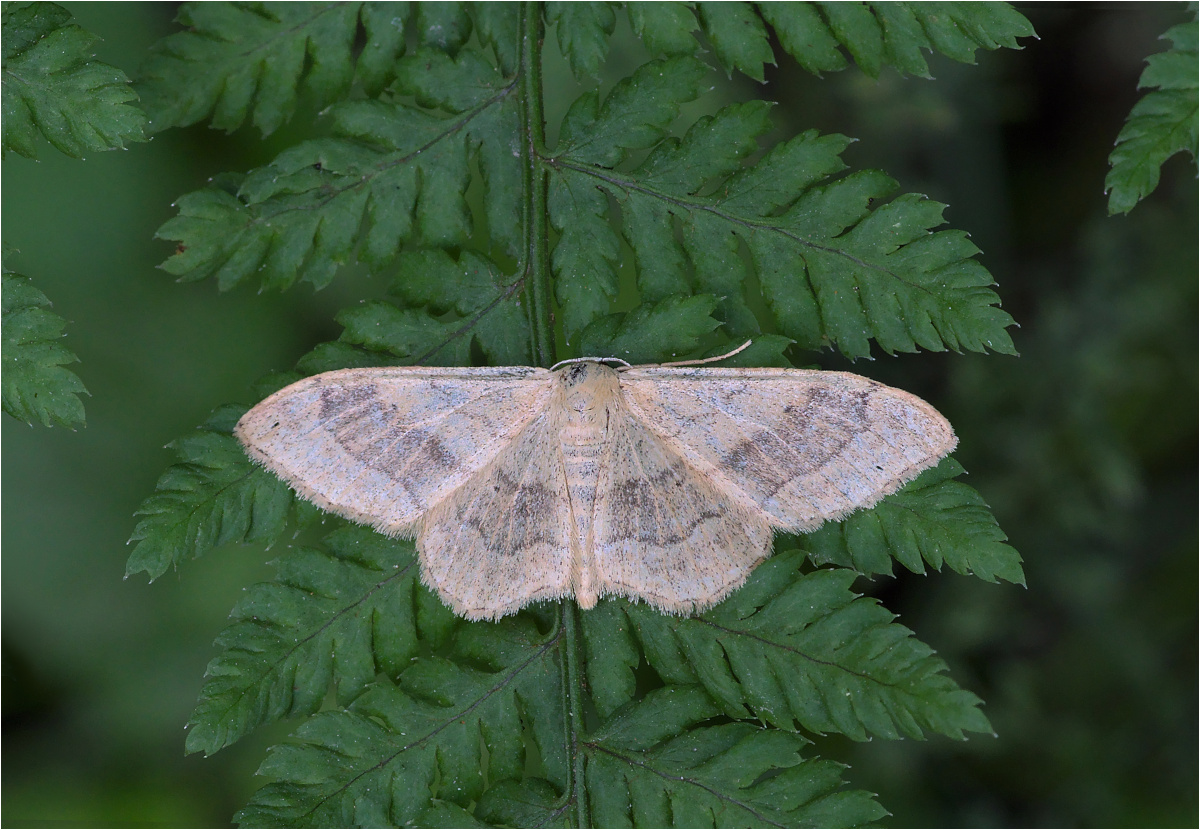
659,484
506,537
804,447
664,531
383,446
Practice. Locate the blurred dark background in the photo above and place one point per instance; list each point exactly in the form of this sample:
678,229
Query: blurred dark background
1085,446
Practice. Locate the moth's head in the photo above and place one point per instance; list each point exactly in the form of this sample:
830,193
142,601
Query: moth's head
585,381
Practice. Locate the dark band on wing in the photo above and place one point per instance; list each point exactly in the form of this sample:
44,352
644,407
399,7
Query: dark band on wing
511,529
803,441
369,429
636,508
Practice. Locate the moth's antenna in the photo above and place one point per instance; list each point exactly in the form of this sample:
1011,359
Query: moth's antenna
698,361
626,365
591,360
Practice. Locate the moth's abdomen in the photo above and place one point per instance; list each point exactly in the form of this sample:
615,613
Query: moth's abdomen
582,446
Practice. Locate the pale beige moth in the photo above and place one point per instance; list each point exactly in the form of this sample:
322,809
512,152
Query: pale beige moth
661,484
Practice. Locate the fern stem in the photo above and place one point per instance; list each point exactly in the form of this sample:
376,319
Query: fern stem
538,289
578,808
537,252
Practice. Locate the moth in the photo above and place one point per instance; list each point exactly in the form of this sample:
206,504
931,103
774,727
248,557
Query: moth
662,484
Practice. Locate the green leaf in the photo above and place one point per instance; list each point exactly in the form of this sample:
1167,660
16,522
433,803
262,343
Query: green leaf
36,386
409,334
805,36
438,309
815,34
496,26
764,350
651,766
52,87
583,30
334,616
738,37
434,173
584,259
480,299
634,116
856,28
1161,124
236,61
394,174
443,26
933,520
873,34
532,802
326,357
399,750
612,653
665,28
383,23
839,261
791,648
715,146
213,496
398,747
652,333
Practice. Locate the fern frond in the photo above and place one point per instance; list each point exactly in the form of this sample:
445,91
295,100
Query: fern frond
413,753
840,260
402,747
438,308
54,88
254,60
791,648
652,331
820,36
1162,123
653,765
583,30
436,174
393,175
213,496
36,386
333,617
932,520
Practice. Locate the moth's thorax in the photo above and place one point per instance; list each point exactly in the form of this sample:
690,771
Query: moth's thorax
590,391
588,386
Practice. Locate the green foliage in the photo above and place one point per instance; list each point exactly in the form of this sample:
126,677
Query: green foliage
832,269
819,36
234,58
333,616
583,30
1161,124
214,496
790,648
933,520
395,171
52,87
36,386
402,749
437,300
626,239
648,769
